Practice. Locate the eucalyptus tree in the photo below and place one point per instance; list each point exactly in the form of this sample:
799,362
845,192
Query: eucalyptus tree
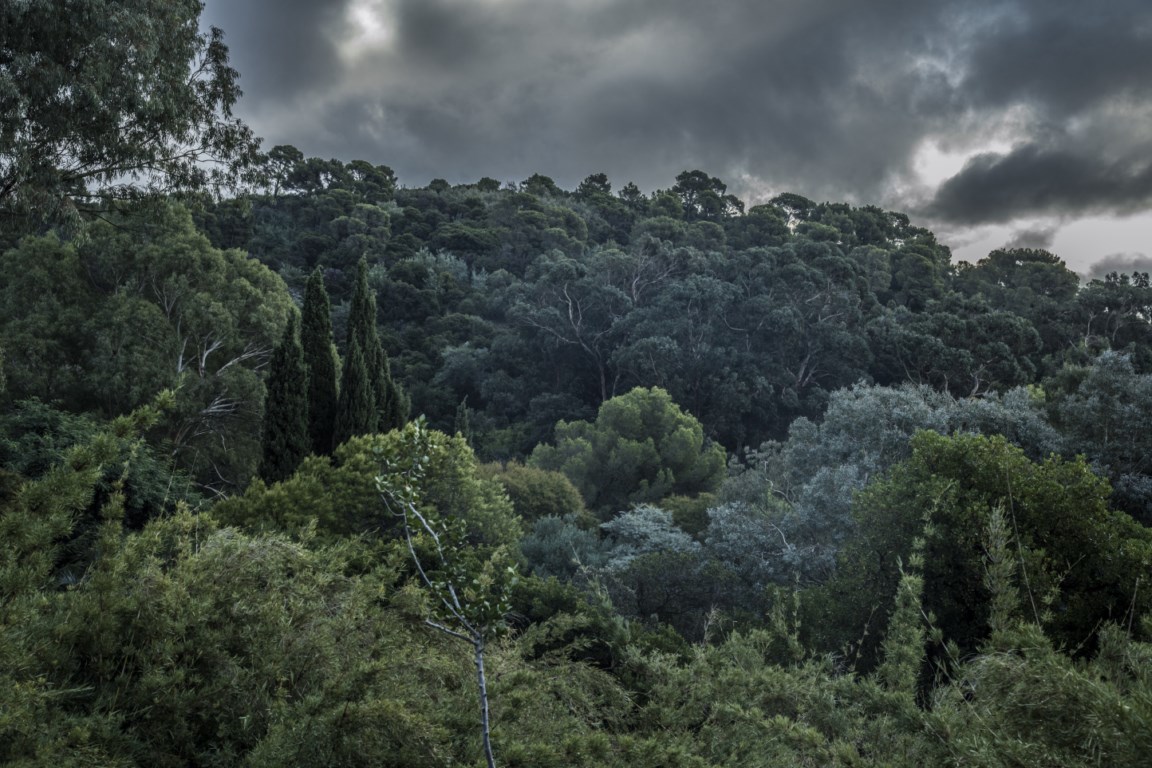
800,492
469,587
112,99
140,305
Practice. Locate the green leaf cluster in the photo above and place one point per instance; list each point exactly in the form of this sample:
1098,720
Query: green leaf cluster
641,447
112,100
1078,563
140,306
338,494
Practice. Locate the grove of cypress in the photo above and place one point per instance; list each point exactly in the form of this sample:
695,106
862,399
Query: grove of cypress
321,359
390,403
285,440
356,408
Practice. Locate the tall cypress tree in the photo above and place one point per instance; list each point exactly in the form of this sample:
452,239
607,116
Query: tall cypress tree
356,408
285,440
398,405
362,316
320,357
391,404
463,423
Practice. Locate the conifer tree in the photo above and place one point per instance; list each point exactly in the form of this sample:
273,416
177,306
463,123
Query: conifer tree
463,423
285,441
389,401
320,357
362,312
356,410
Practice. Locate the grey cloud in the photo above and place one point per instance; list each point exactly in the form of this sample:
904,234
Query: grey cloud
736,92
280,47
829,98
1124,263
1036,180
447,35
1064,59
1036,237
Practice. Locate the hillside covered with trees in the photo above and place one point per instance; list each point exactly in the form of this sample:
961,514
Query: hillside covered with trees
303,466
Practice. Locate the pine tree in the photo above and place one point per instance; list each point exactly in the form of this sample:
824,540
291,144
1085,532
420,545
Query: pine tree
320,357
356,410
285,441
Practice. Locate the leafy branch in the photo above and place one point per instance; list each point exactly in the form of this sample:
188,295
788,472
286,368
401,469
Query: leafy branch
470,594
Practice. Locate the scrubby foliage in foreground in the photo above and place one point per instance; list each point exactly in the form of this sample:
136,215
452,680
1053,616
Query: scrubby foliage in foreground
189,643
767,485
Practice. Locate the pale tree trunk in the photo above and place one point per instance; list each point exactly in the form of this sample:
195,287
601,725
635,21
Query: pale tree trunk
482,682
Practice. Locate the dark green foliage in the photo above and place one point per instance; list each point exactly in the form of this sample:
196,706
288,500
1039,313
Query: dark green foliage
703,197
140,305
191,644
558,547
991,602
397,406
642,447
36,437
286,441
1024,702
537,493
389,402
655,571
1105,413
362,313
356,412
462,424
469,587
538,305
1078,562
338,495
321,361
690,513
959,345
1113,314
804,486
112,100
1033,284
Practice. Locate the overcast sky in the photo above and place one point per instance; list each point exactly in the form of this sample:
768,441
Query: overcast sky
994,123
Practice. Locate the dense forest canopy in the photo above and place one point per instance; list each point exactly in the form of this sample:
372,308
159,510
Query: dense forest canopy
696,482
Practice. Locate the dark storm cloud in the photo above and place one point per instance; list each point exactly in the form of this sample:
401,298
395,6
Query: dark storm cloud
829,98
1124,263
644,90
1062,59
280,47
1036,237
1082,85
1034,180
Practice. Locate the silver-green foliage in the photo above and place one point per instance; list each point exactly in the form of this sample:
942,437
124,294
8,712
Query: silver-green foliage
805,484
558,546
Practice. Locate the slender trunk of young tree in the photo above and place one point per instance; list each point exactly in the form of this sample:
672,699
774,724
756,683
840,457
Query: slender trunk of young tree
482,682
454,615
